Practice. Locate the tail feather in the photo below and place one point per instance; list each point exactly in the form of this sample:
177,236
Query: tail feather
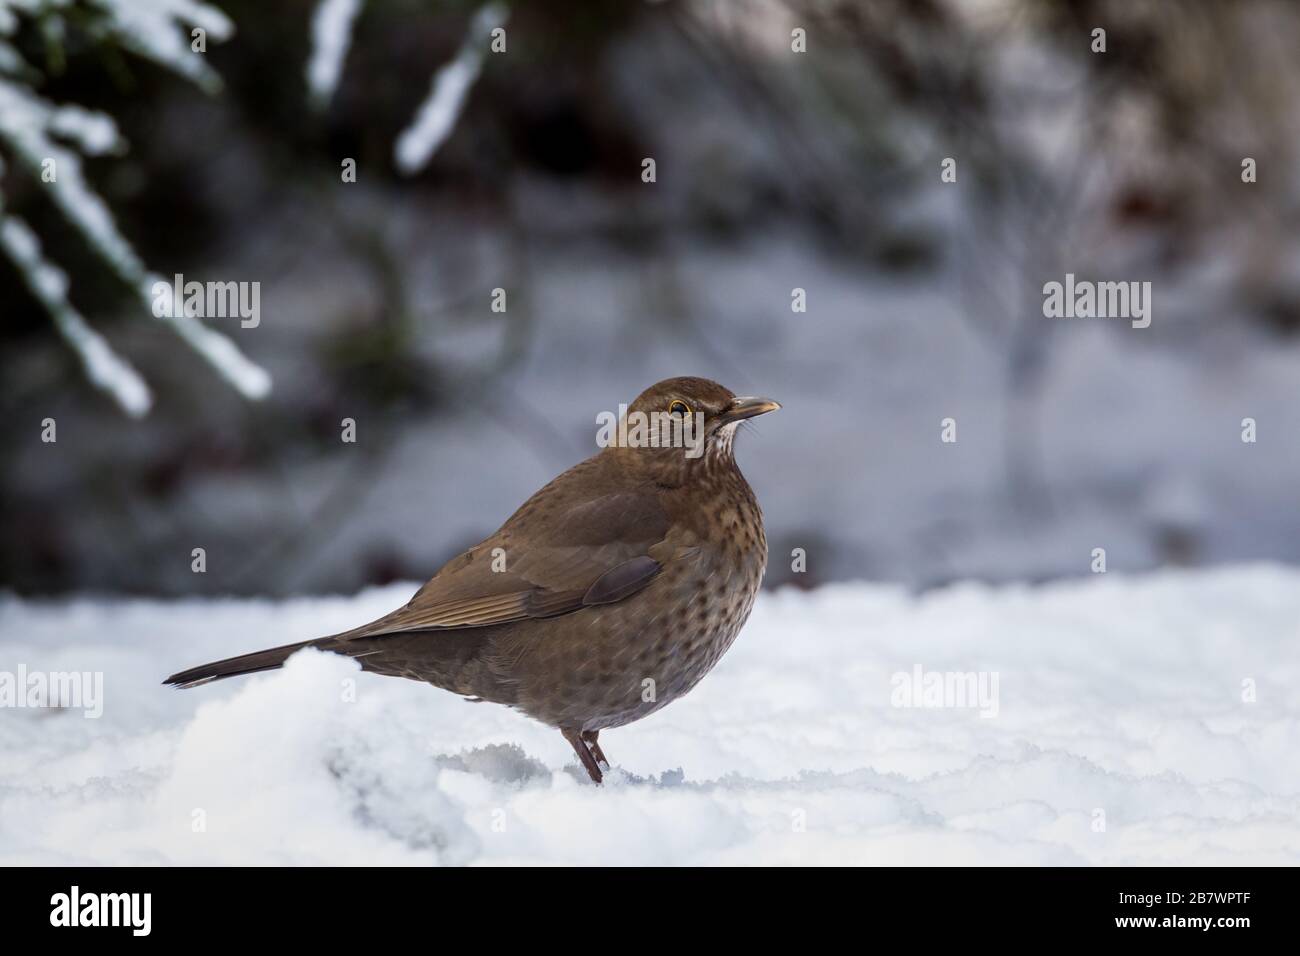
267,660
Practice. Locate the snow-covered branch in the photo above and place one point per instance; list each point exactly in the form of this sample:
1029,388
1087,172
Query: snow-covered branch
154,29
437,116
331,35
46,137
49,284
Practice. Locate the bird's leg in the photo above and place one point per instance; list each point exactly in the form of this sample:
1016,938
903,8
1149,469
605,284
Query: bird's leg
589,736
584,755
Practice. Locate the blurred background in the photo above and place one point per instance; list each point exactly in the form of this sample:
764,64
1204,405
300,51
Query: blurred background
775,170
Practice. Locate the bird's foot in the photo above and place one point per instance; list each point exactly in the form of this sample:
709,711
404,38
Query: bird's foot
578,742
590,738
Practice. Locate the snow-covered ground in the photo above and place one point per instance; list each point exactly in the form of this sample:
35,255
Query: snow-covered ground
1124,733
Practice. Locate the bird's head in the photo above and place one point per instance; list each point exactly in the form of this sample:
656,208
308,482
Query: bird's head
680,426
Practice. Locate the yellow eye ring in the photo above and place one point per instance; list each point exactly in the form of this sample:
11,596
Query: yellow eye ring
679,408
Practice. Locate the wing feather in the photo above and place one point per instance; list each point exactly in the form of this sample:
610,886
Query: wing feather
546,560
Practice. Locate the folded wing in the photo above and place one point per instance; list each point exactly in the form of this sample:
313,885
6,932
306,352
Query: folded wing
542,563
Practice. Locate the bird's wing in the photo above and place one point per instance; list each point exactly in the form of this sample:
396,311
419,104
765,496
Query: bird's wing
547,560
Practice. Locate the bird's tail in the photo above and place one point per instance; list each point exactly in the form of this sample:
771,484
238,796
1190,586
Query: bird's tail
267,660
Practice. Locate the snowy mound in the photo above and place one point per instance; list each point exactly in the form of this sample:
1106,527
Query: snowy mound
1114,720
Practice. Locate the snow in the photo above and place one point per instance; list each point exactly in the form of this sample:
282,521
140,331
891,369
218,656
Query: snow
10,61
159,30
31,127
247,377
94,133
331,35
104,367
26,126
1120,695
437,115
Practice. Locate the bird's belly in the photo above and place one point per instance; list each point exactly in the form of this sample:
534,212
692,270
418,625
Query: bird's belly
608,666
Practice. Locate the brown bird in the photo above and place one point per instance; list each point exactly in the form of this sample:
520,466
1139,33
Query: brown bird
607,595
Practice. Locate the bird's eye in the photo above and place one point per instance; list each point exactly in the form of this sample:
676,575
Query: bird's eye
679,408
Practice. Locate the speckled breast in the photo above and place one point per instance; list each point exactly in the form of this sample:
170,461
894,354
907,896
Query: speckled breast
633,657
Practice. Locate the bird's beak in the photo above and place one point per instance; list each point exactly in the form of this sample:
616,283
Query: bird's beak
748,407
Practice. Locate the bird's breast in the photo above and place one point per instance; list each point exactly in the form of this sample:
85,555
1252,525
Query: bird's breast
679,627
608,665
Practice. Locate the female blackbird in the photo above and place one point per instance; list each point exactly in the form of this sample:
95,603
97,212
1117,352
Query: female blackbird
609,593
